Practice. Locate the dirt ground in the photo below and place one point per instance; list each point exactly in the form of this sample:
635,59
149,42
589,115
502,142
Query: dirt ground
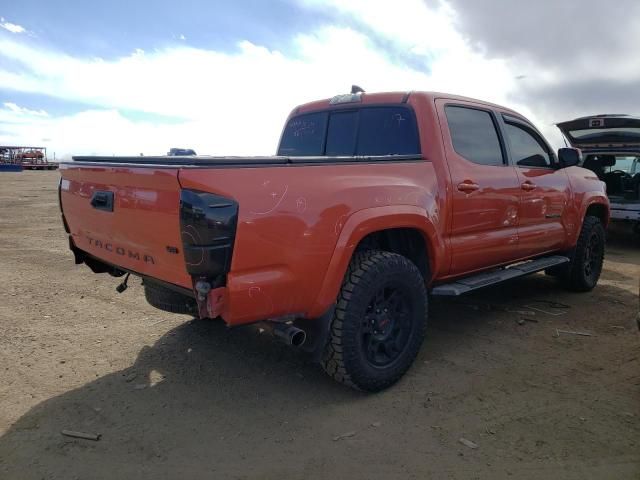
176,398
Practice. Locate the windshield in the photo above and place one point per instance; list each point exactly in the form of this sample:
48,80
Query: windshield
627,164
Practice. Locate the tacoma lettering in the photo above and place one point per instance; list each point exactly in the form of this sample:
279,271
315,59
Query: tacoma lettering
110,247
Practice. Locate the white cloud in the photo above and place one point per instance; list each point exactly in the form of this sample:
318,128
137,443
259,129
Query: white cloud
455,65
24,111
12,27
95,132
235,103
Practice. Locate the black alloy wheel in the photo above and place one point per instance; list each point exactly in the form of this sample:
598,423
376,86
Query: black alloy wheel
386,326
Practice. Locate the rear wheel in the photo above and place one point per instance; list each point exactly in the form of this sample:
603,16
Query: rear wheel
584,270
169,300
379,321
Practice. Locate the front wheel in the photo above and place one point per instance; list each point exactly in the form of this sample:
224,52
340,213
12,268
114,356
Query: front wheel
379,321
585,267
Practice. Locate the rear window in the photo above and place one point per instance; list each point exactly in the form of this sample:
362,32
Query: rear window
387,131
304,135
341,135
368,131
606,135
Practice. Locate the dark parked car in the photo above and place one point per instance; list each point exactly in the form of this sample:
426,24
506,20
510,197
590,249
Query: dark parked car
181,152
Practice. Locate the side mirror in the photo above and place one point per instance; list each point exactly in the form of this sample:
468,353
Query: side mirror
569,157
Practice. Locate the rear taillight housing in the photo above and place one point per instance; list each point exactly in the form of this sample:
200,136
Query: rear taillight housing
208,225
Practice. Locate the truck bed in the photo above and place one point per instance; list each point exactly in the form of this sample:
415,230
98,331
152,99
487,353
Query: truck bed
288,213
229,161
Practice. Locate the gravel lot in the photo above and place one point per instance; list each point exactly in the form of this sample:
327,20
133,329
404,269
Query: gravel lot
176,398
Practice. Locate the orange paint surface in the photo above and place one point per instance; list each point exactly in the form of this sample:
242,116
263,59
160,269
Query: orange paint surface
298,225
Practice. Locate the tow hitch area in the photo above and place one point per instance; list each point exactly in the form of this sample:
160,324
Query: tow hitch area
123,285
210,301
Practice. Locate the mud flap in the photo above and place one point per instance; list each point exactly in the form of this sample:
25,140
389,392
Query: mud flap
317,331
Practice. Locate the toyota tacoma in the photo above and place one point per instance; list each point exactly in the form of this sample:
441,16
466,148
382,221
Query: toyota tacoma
373,203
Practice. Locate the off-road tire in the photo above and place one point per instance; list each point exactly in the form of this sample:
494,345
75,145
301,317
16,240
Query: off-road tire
345,355
168,300
578,275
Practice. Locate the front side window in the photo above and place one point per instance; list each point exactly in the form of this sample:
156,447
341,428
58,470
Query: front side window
527,149
474,135
367,131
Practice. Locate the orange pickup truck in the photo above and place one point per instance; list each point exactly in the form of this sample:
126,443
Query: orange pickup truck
373,203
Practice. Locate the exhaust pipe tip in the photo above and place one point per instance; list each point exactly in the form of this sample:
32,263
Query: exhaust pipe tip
298,338
289,334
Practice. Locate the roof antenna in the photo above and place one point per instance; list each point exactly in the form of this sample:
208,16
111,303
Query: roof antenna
356,89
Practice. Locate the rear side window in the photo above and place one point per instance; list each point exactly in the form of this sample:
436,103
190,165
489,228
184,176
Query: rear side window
474,135
368,131
526,149
304,135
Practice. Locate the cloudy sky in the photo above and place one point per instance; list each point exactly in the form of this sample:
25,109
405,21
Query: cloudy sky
141,76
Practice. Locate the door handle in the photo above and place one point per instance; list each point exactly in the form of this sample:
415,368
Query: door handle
528,186
468,187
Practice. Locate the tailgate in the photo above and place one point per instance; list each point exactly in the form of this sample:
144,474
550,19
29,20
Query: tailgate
126,216
622,131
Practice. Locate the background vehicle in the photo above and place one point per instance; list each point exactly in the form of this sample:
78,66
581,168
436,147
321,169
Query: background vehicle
611,149
30,155
372,201
20,157
175,152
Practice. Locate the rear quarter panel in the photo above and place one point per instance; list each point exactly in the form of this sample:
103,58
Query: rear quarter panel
291,219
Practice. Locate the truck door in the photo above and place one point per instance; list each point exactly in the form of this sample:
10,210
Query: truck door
485,188
544,189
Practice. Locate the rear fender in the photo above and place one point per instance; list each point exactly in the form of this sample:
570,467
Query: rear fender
363,223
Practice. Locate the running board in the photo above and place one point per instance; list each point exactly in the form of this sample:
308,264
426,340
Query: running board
485,279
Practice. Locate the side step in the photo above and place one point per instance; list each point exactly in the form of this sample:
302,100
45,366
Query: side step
485,279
